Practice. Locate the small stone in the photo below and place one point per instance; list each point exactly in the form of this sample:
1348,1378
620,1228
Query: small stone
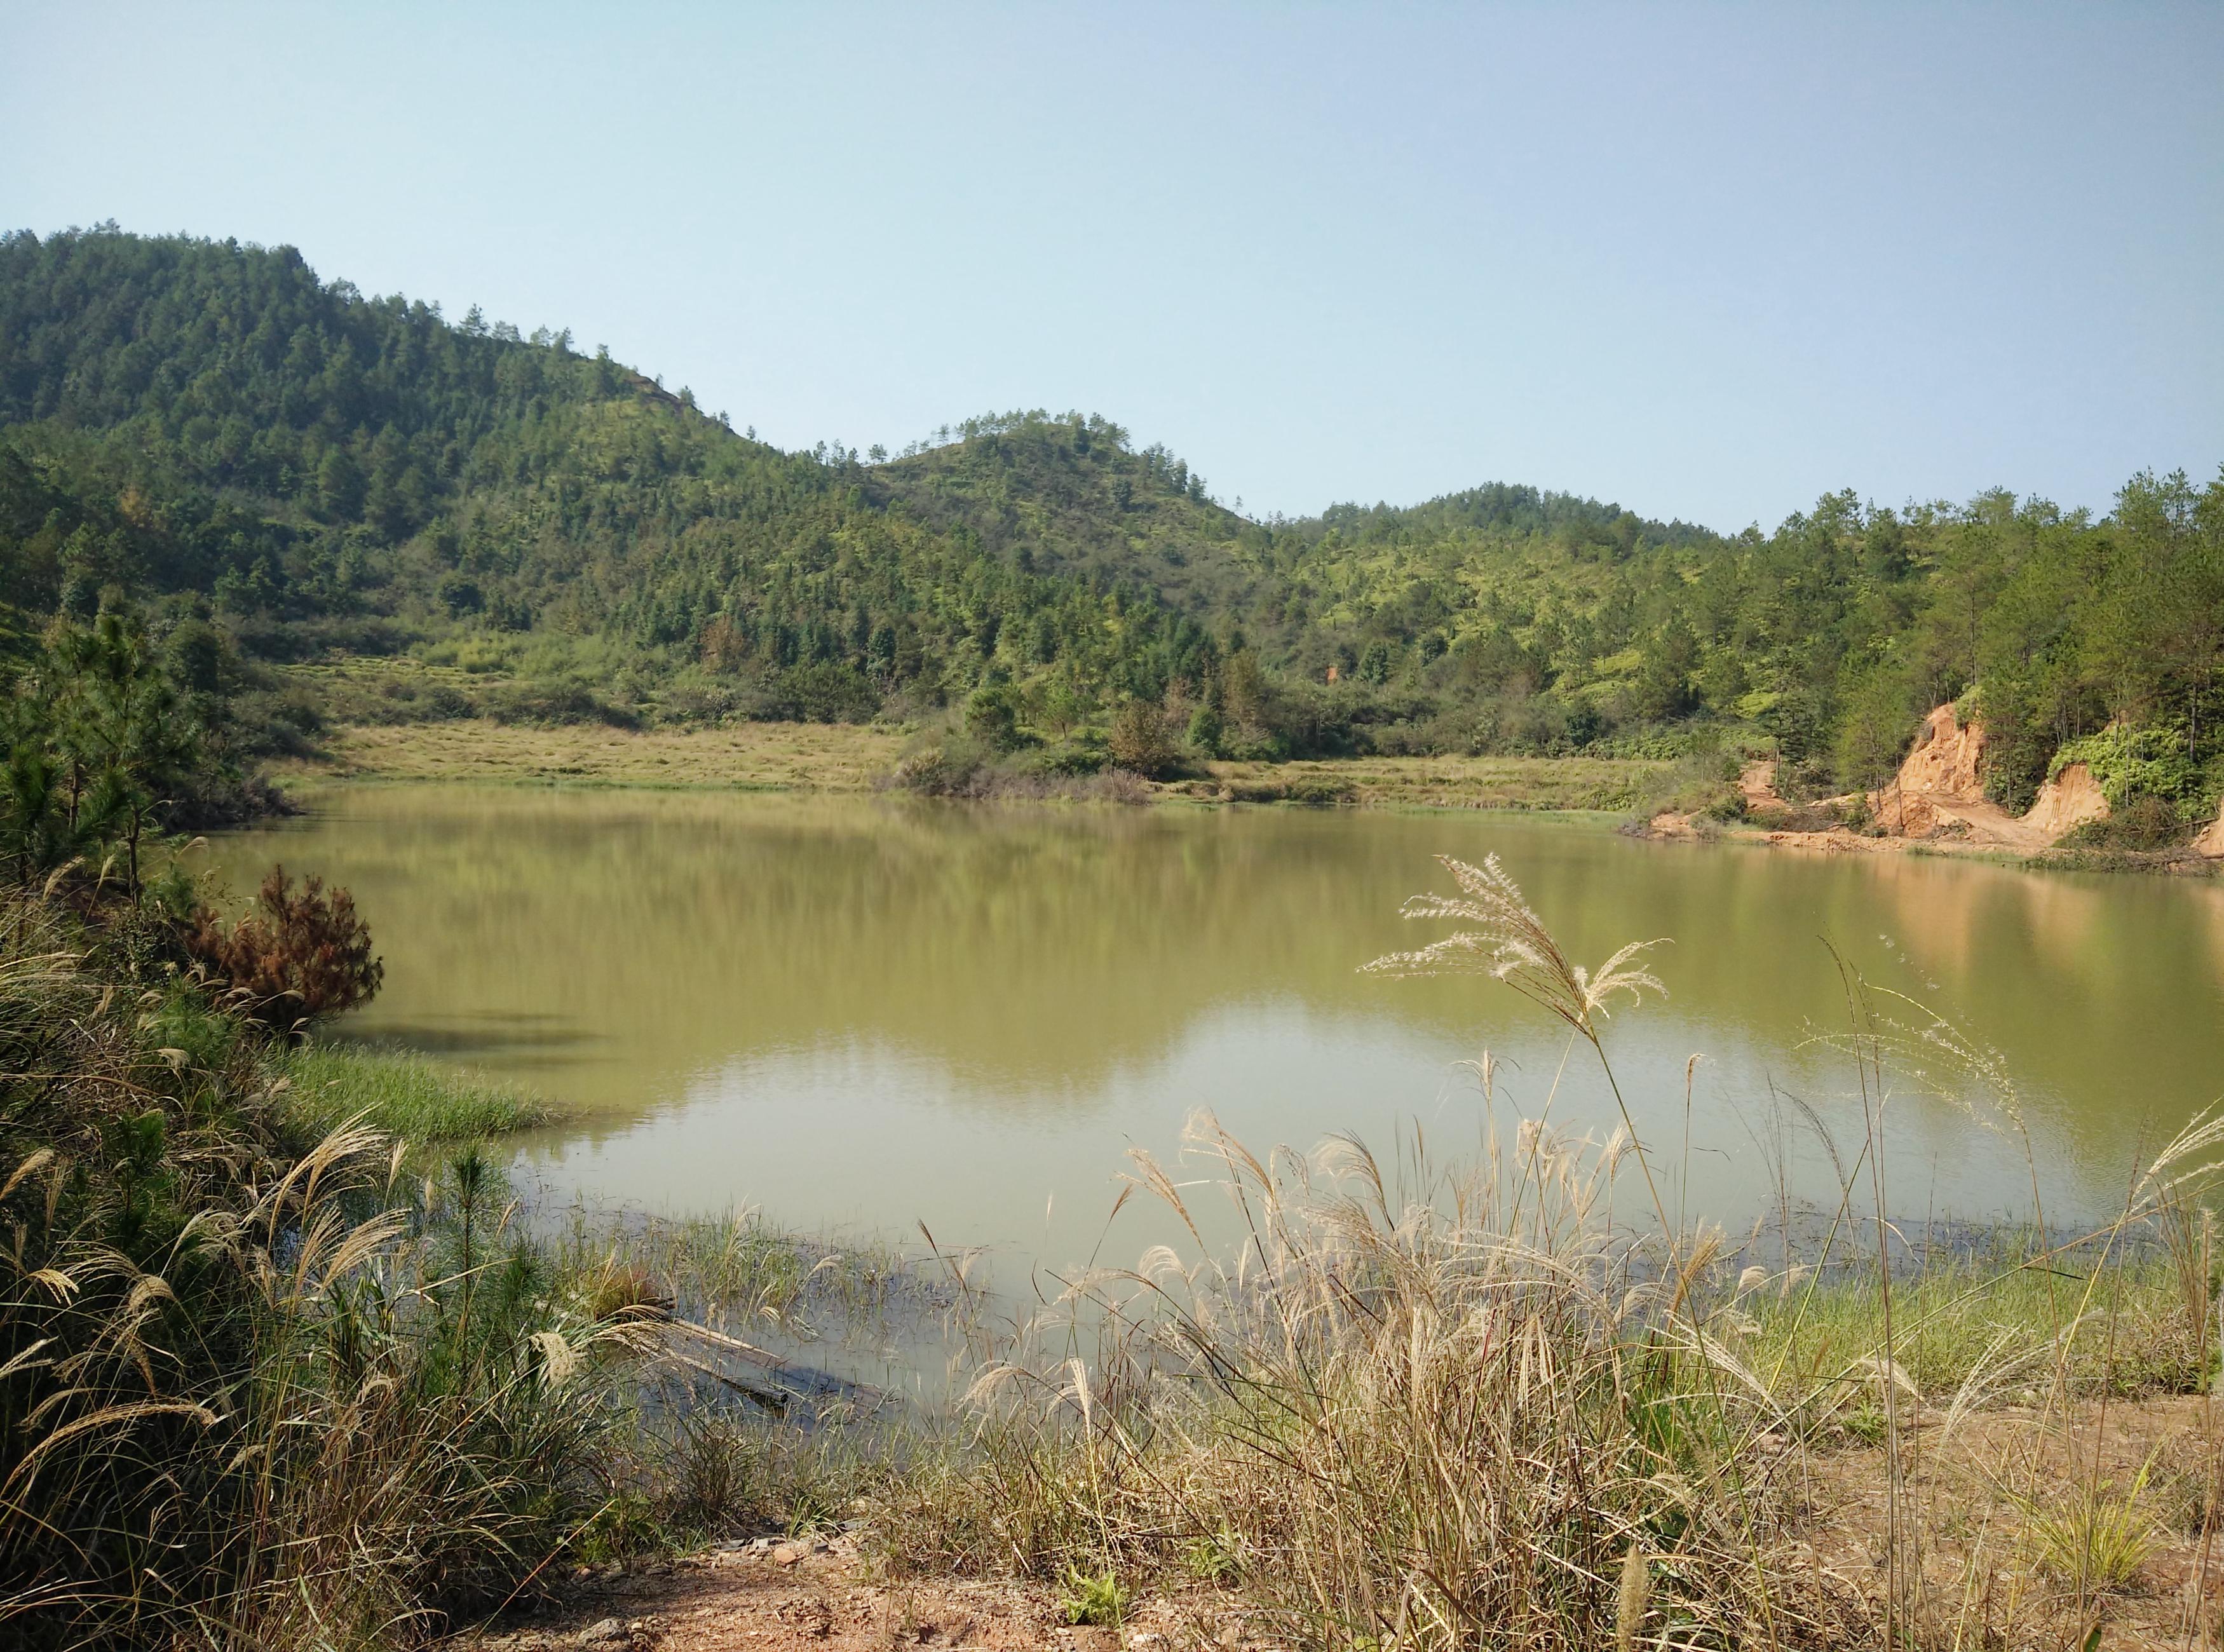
789,1554
609,1632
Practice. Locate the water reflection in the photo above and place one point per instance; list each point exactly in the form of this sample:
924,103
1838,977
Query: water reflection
858,1011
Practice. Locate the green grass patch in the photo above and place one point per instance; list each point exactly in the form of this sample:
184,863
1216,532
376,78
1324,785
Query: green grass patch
405,1093
2004,1328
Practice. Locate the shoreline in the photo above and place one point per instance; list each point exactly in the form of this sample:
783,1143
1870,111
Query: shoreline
854,759
827,758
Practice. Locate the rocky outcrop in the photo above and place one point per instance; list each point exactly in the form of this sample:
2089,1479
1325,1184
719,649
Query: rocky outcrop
2072,799
2211,841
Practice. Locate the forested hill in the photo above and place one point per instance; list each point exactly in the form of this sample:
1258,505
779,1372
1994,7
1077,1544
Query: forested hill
334,471
287,469
1072,495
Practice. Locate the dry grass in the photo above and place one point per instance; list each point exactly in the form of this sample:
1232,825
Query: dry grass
762,756
1468,1408
822,757
1603,784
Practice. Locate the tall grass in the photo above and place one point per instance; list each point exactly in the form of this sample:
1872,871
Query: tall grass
1468,1406
253,1395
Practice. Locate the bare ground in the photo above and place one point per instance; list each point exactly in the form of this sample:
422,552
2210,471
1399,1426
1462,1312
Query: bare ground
1999,1504
1988,1497
768,1596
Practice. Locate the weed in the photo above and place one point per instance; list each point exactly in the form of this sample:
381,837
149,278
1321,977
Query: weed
2096,1545
1093,1597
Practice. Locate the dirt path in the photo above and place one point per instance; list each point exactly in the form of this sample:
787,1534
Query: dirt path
770,1596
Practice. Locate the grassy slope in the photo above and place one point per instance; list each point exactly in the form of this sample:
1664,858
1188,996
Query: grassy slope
776,756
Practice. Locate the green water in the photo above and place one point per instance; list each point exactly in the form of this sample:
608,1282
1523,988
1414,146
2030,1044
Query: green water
860,1013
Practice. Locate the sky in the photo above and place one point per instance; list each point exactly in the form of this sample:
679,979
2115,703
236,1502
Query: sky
1706,261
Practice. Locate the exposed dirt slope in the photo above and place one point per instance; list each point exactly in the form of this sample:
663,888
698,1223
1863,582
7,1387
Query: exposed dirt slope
2211,843
2067,802
1940,793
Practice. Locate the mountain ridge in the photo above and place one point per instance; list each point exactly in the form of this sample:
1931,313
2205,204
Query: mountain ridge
211,429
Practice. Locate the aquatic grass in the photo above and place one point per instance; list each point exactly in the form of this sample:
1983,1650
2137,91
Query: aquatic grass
730,1279
406,1094
1954,1309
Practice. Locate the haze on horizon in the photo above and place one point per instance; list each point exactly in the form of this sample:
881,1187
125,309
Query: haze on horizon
1707,263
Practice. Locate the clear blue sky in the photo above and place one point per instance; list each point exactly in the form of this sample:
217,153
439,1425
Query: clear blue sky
1709,261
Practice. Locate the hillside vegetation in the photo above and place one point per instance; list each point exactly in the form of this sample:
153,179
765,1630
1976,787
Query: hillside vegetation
276,468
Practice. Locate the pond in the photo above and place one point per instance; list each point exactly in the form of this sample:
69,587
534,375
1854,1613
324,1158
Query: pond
863,1014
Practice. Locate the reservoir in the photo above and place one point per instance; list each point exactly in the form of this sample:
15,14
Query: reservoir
859,1015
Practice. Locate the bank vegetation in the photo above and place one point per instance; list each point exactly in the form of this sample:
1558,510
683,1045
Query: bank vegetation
280,1366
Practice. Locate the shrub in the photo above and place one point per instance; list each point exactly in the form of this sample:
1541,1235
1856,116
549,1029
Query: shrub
2128,763
1139,742
1082,755
546,704
821,692
1206,730
992,716
2146,823
293,957
951,767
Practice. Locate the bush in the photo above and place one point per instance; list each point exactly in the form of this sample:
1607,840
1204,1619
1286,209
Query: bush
2144,824
950,766
823,692
1084,755
294,957
992,716
549,704
2129,763
1140,742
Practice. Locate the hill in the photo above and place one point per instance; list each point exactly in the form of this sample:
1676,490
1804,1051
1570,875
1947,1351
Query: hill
211,433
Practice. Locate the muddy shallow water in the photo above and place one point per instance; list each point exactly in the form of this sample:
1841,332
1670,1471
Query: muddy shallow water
864,1013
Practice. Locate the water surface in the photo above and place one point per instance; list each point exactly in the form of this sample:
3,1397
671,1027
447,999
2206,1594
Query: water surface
865,1013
